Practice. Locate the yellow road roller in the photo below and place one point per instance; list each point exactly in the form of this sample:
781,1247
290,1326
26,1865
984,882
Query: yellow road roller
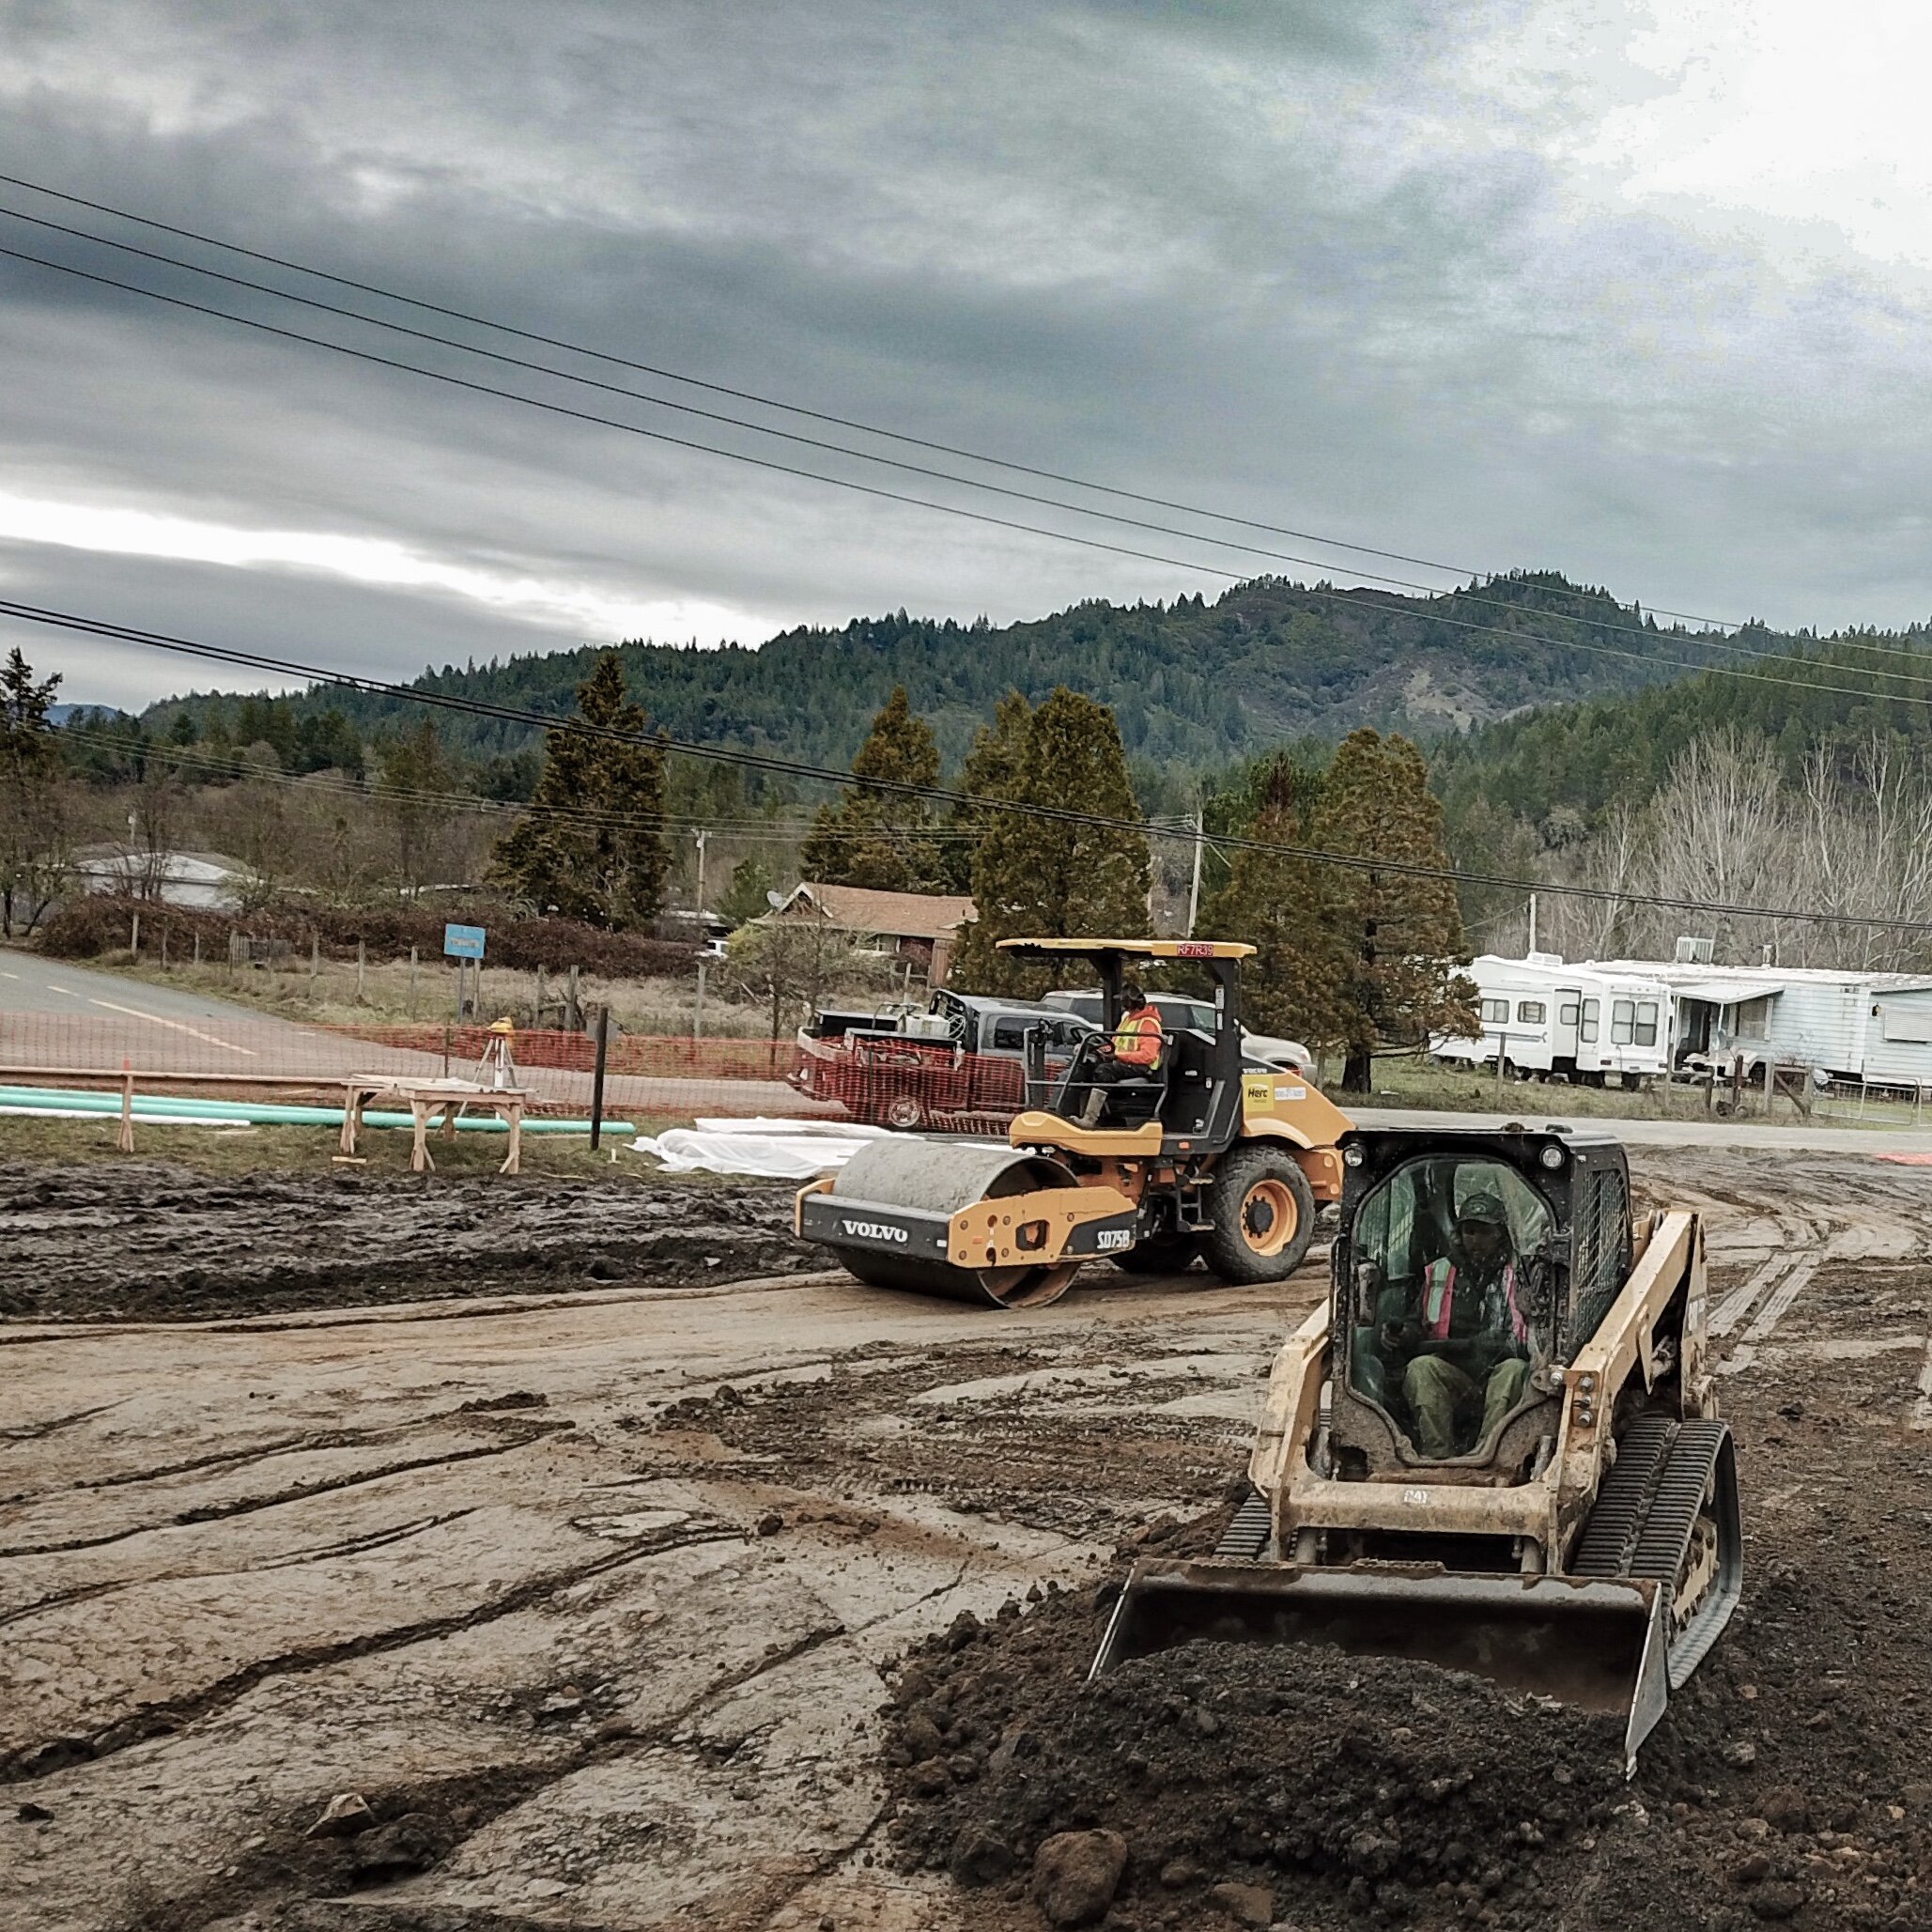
1213,1155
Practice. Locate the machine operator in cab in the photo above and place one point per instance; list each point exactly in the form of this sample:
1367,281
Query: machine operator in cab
1132,1055
1469,1335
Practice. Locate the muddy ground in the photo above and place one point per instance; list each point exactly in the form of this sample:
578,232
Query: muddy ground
605,1606
150,1241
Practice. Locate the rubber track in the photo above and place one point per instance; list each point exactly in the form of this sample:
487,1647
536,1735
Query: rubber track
1667,1537
1619,1518
1246,1536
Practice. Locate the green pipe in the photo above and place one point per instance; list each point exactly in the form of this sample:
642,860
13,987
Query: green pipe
158,1108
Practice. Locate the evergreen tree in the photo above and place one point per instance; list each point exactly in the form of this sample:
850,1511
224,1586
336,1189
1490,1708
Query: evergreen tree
1282,906
876,836
1401,934
32,828
414,771
991,769
1056,878
744,900
608,870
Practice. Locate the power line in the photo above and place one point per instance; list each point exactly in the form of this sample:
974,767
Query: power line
1464,597
1360,863
1518,637
773,402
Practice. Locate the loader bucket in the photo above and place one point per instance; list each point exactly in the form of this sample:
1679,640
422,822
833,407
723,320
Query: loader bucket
1597,1644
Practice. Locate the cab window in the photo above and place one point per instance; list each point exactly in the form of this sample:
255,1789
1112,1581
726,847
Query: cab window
1457,1243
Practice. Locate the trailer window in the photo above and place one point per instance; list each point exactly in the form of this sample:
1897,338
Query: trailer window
1753,1018
1565,1014
1647,1023
1623,1015
1586,1026
1495,1012
1530,1013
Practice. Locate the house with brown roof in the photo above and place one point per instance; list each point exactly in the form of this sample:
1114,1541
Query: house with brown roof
918,927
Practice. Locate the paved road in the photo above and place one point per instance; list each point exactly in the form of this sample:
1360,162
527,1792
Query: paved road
29,983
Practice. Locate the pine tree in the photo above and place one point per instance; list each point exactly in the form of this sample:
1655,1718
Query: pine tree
1401,933
414,771
877,835
991,769
1053,878
32,827
1282,906
607,870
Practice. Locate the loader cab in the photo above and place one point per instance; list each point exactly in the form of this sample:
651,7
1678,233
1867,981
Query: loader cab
1467,1266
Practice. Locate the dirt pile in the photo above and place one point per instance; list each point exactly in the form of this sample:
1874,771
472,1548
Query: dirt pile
1311,1789
147,1241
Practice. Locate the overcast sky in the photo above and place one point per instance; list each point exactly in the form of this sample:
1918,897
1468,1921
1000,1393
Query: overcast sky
1638,291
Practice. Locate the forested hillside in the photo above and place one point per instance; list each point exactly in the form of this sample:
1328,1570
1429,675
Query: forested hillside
1193,684
1581,759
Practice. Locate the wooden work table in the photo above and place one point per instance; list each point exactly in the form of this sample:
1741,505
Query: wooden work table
424,1100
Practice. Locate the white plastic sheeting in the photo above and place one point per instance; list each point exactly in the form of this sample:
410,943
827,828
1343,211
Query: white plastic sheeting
770,1150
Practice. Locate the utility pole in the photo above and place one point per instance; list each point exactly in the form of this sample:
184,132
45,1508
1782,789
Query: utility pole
1194,887
704,939
1532,923
701,836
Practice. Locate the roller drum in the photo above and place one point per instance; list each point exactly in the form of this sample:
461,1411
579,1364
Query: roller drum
940,1177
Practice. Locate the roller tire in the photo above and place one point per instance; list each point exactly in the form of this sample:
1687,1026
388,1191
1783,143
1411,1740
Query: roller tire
1254,1186
1161,1254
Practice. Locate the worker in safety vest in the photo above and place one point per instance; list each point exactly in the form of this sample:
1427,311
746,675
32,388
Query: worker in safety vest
1469,1334
1132,1055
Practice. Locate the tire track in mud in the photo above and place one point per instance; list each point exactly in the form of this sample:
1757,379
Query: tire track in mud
298,1492
173,1714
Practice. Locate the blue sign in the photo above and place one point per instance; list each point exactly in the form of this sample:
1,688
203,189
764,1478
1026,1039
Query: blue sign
463,942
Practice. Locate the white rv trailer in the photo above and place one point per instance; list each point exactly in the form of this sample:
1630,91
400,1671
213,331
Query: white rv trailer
1578,1023
1848,1026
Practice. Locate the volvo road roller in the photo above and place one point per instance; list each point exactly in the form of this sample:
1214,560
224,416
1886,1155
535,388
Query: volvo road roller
1211,1155
1496,1447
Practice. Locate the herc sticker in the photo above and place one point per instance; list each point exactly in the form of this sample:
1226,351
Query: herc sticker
1257,1089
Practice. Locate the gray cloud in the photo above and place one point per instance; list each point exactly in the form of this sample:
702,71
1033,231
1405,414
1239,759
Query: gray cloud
1327,267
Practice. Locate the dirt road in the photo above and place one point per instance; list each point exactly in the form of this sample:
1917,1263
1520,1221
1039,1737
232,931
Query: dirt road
592,1600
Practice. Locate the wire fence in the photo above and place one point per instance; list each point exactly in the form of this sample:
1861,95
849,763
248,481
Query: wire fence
891,1082
188,1052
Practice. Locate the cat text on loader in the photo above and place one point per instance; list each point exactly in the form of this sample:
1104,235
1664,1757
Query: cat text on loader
1497,1448
1211,1155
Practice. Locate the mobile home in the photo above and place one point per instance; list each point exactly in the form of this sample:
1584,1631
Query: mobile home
1847,1026
1581,1023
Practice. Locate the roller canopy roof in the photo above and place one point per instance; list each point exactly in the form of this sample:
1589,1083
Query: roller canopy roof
1138,949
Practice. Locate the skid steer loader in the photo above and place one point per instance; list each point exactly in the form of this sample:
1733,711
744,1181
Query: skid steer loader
1496,1447
1216,1156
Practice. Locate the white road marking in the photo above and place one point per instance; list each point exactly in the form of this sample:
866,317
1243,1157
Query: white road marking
10,975
1787,1292
66,992
1736,1305
154,1019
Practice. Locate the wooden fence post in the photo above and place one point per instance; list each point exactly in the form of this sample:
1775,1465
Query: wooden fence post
597,1077
413,982
314,960
362,967
124,1140
134,937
